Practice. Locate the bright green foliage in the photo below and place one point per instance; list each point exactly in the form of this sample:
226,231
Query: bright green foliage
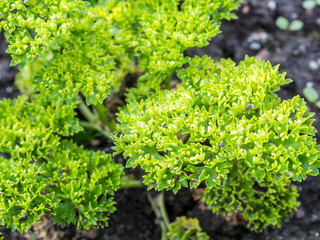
22,201
166,30
45,174
186,229
83,183
224,115
224,127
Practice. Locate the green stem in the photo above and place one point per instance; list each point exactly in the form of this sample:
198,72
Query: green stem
93,121
103,113
130,182
96,127
158,206
86,112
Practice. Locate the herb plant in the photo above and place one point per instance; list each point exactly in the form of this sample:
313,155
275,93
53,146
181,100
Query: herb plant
226,127
223,128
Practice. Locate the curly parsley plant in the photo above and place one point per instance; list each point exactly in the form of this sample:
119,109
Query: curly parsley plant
224,127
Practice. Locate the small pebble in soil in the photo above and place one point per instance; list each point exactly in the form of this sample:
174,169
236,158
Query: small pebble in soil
9,90
258,36
314,234
254,46
245,9
300,213
301,49
272,5
313,65
95,142
264,54
309,84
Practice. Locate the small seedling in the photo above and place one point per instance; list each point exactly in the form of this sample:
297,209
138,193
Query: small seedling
285,25
312,95
310,4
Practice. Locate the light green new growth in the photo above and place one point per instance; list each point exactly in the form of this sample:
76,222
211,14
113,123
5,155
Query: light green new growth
166,30
186,229
227,128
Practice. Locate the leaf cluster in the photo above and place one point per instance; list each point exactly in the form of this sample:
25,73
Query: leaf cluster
225,122
45,173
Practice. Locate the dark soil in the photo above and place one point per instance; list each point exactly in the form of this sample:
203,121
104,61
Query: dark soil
254,33
7,73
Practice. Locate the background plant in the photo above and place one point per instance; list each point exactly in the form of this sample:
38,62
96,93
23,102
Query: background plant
310,4
284,24
186,229
312,95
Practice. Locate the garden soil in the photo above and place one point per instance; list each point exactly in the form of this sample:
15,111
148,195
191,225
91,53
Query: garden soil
254,33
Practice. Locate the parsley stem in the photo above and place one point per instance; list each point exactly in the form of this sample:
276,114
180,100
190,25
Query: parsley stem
158,206
95,121
96,127
103,113
86,112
